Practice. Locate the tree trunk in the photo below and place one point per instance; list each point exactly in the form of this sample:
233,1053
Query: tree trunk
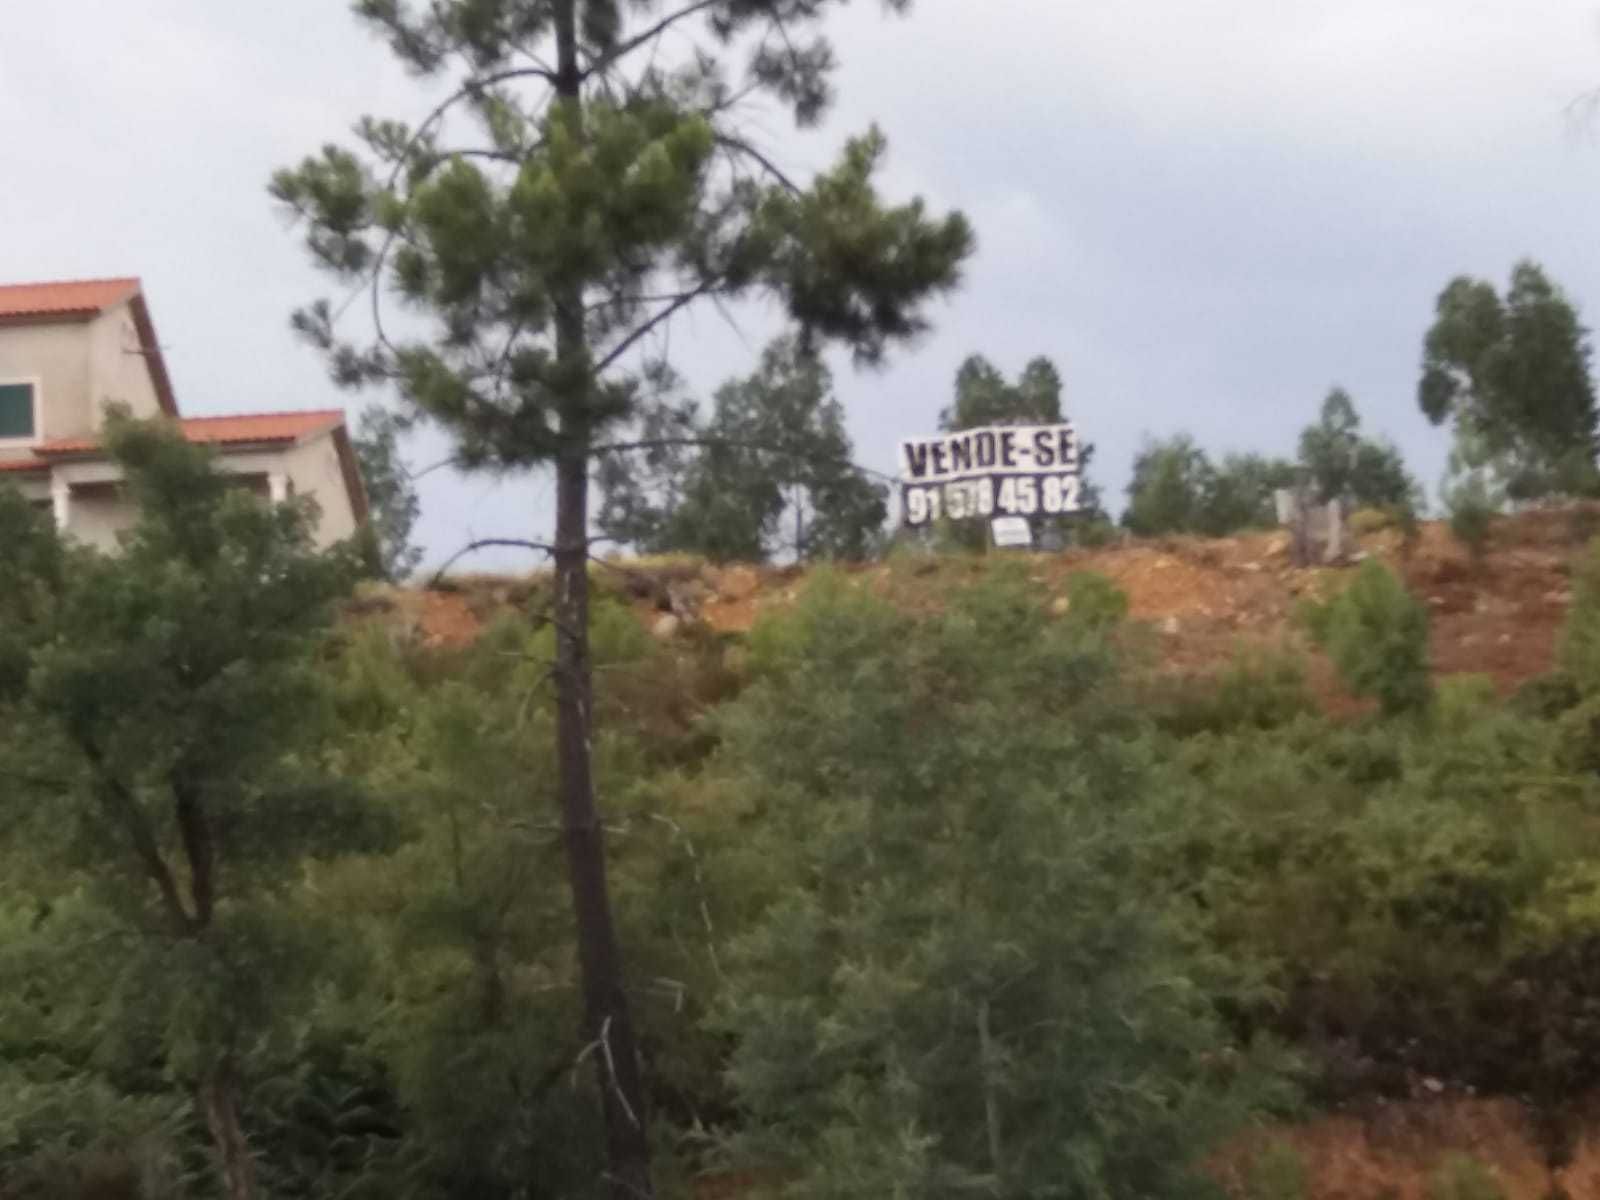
219,1096
608,1027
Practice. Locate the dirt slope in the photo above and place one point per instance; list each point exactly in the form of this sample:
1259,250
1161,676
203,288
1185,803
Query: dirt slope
1203,598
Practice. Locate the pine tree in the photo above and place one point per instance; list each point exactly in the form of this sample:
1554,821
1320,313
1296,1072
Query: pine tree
589,176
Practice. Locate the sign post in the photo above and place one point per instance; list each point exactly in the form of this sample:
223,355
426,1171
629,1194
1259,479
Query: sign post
1003,474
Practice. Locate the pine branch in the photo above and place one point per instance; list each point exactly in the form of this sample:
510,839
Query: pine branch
606,61
739,146
679,303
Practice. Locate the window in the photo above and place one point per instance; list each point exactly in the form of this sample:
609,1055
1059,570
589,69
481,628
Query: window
16,411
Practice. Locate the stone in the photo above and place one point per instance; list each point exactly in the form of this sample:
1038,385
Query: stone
1060,606
685,596
666,626
1170,626
738,583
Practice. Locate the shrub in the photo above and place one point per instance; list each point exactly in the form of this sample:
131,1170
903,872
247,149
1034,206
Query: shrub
1369,520
1579,652
1376,633
1094,601
1259,689
1277,1173
1471,508
955,943
1545,697
1461,1177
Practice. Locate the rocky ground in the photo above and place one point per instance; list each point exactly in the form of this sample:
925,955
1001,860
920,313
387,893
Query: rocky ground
1202,599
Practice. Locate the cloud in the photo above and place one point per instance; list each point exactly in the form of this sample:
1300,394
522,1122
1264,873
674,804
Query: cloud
1207,211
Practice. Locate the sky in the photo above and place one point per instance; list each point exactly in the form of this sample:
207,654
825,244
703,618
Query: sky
1206,212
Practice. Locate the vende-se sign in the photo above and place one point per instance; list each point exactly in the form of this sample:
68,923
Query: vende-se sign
1010,470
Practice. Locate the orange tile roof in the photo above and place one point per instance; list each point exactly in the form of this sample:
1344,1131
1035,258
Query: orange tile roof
71,298
23,464
244,429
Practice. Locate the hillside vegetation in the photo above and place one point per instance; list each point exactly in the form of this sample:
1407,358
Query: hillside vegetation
1104,873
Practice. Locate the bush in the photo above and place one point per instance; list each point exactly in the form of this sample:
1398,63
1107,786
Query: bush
1579,652
1376,633
1369,520
956,944
1462,1177
1545,697
1094,601
1471,508
1259,689
1277,1173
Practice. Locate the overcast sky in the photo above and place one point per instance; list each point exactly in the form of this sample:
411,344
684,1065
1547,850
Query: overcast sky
1205,211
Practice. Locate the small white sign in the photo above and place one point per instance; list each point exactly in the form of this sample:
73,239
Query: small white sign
1011,532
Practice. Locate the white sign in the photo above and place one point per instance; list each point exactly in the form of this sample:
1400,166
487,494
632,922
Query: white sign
1005,470
1011,532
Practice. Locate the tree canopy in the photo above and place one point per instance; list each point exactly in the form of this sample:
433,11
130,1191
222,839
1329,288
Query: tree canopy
163,714
1512,373
770,473
592,172
1341,464
1175,488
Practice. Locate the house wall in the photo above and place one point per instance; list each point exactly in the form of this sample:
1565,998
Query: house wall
99,508
314,468
118,373
57,357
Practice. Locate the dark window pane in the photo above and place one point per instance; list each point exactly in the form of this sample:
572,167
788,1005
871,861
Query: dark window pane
16,410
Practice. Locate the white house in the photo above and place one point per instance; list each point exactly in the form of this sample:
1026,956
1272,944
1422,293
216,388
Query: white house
68,350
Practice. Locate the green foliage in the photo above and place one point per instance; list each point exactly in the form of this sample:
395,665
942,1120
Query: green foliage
1259,689
1513,374
771,472
163,717
543,225
1167,491
1277,1173
1472,500
621,193
1175,488
1579,649
1376,632
1342,465
1461,1177
1545,697
984,397
1094,601
1240,494
953,965
391,494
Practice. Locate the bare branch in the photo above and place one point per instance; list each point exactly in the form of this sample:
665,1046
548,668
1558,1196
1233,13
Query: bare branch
739,146
737,444
606,61
679,303
486,544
